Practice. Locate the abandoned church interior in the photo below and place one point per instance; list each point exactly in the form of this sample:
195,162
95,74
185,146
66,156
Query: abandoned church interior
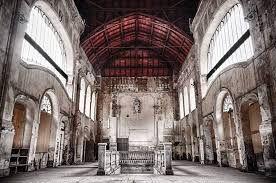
137,91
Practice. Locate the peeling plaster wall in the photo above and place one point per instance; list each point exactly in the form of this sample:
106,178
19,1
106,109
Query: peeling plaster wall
27,83
153,117
253,80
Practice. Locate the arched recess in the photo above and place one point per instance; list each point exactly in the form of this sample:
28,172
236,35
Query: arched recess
188,131
88,145
25,112
65,135
47,151
227,130
41,53
24,122
195,143
210,140
235,47
251,120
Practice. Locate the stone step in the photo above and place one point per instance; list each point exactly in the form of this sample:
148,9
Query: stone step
136,169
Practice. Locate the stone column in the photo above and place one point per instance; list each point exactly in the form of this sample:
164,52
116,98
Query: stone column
168,158
101,158
201,151
6,140
266,131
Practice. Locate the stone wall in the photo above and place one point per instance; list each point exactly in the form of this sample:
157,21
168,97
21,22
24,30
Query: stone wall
247,82
140,109
27,84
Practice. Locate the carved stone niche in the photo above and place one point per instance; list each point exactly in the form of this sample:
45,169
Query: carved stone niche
115,108
137,106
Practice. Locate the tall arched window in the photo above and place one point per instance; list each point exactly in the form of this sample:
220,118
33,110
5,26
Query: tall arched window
88,101
43,45
45,125
231,43
186,101
181,107
93,106
192,95
82,95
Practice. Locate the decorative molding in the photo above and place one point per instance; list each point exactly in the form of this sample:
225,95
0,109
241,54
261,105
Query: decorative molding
136,106
20,17
252,13
60,16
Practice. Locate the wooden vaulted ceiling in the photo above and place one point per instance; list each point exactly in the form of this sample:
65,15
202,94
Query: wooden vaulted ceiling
136,39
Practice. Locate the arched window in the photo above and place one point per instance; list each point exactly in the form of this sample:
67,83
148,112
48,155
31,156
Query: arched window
93,106
186,101
88,101
192,95
45,125
43,45
82,95
46,105
181,105
231,43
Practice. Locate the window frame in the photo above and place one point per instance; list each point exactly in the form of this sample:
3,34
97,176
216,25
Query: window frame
43,51
230,21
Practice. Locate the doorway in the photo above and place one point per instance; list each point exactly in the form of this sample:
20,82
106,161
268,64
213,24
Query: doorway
251,120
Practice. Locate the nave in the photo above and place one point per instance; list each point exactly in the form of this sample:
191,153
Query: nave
184,171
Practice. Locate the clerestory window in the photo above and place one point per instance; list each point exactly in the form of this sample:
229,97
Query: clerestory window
231,43
43,45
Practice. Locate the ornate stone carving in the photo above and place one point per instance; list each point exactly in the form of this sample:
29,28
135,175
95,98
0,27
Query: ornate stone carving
21,18
60,16
252,13
136,106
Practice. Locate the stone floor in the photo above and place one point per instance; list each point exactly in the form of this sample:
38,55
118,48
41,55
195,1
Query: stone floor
184,172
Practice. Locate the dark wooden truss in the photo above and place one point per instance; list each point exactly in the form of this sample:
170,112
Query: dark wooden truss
138,37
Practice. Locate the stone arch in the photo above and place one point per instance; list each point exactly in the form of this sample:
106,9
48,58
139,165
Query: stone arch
210,138
188,131
203,52
50,157
88,153
31,119
53,16
251,119
228,133
65,142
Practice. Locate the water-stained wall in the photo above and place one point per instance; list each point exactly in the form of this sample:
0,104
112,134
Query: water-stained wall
140,109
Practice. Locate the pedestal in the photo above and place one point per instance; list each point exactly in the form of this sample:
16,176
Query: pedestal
101,158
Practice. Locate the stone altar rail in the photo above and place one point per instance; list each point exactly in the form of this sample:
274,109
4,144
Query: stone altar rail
108,161
114,162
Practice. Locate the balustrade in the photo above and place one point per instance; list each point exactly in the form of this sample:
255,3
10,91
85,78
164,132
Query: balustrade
137,157
158,161
108,161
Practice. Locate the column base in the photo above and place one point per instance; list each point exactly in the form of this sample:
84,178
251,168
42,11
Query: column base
196,159
209,162
169,172
4,172
101,172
